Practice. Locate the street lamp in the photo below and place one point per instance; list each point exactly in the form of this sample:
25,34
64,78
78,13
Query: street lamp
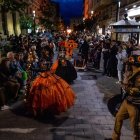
92,12
69,31
118,10
34,21
117,14
83,19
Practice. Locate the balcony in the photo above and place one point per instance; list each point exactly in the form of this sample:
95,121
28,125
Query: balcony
100,4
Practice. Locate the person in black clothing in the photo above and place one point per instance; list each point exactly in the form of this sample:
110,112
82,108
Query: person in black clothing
64,69
7,81
105,51
97,57
84,50
112,62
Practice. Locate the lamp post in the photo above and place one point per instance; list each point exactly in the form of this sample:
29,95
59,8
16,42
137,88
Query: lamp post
117,15
118,10
34,21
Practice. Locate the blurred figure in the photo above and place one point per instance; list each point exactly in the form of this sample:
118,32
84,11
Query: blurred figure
121,57
64,69
49,94
112,62
105,51
84,49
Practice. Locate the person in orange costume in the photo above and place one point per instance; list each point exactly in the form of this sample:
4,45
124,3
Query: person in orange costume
70,46
50,94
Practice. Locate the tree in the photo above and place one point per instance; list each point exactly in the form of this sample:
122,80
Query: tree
48,20
88,24
13,6
26,22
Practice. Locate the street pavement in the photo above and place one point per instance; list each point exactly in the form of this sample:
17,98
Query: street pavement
88,119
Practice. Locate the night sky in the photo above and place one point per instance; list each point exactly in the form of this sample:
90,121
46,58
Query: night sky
70,9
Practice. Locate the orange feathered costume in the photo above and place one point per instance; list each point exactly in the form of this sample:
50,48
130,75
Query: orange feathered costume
69,45
50,92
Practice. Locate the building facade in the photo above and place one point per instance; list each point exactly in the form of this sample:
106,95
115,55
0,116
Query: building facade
104,12
75,22
10,18
44,9
107,12
9,23
88,6
132,8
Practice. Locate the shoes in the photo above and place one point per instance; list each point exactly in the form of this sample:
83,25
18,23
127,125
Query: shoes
5,107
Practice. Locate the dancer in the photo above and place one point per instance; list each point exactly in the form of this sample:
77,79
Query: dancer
63,68
50,93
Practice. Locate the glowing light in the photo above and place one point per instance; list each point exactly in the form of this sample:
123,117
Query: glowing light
133,12
69,31
33,13
126,9
119,4
92,12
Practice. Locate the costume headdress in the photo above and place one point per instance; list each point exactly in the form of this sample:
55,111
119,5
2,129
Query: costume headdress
68,44
71,44
134,59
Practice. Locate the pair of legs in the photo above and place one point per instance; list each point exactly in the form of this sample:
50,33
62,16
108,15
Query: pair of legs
2,96
119,75
105,66
126,111
11,89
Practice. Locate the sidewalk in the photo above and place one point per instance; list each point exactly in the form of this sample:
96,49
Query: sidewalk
108,86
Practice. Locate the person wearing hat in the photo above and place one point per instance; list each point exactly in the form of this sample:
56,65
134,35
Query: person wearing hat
64,68
131,104
49,94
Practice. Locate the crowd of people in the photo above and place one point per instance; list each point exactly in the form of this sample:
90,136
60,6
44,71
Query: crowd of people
28,55
29,65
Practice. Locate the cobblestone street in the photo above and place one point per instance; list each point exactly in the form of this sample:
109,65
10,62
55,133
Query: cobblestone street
88,119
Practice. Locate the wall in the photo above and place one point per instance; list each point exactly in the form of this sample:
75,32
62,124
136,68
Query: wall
1,29
18,30
10,23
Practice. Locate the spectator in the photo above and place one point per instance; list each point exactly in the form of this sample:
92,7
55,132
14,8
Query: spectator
121,56
8,81
84,50
112,62
105,51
